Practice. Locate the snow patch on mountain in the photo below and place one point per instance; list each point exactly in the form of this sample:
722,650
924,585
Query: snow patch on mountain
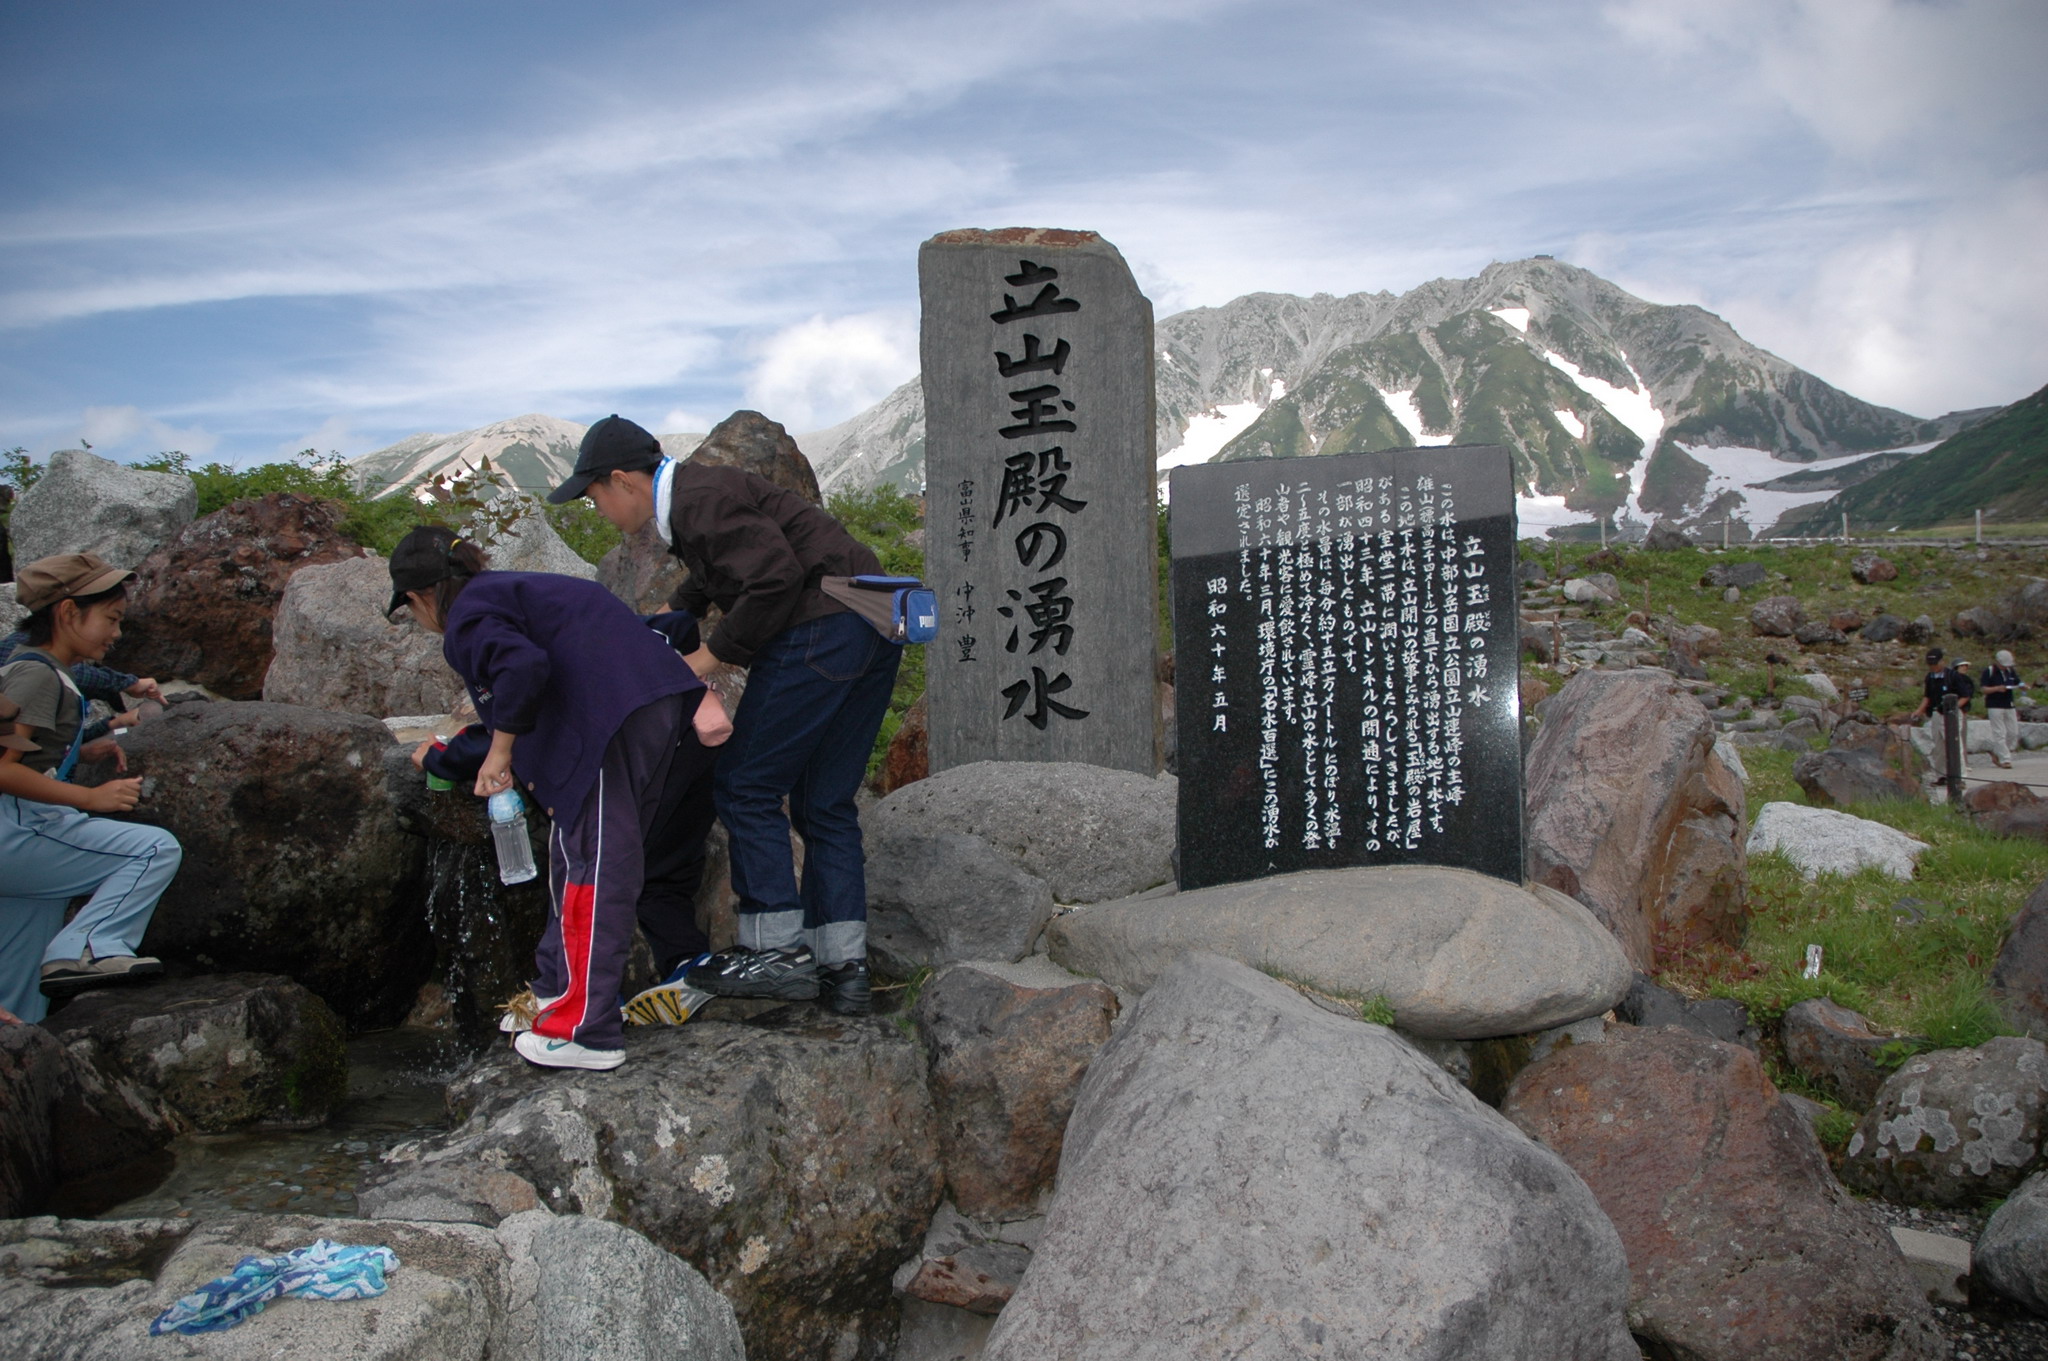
1536,514
1402,404
1636,410
1570,421
1208,432
1741,470
1517,317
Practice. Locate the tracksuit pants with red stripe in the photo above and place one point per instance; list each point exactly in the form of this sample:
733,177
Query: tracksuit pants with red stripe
596,868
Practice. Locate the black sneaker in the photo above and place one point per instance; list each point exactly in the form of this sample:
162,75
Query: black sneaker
844,988
739,972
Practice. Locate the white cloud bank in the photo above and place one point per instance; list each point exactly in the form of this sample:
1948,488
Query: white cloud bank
820,371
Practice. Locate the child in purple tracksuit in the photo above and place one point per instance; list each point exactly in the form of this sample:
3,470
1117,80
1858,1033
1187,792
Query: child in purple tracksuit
588,709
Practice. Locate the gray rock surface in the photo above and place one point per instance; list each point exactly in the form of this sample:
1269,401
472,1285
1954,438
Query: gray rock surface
294,859
1836,1050
1777,616
63,1120
2019,976
792,1159
1089,832
1456,954
940,1332
1822,841
333,648
11,614
2012,1253
86,504
1844,778
225,1050
1883,628
1716,1018
526,542
962,1267
937,897
641,571
581,1289
1741,575
1953,1127
1005,1064
1248,1176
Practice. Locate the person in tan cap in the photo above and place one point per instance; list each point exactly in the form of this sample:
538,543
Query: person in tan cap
52,845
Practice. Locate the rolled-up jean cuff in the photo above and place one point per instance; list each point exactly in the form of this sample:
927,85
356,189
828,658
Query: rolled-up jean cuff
838,942
771,930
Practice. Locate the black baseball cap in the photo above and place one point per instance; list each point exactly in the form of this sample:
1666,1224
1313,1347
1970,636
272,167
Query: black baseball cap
1933,655
423,559
614,444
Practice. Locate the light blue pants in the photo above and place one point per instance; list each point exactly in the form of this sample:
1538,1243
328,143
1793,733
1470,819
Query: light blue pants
48,856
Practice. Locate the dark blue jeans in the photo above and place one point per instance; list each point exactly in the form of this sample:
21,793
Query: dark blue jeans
815,699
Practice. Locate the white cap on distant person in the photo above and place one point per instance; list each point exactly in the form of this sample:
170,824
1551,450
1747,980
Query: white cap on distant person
2004,657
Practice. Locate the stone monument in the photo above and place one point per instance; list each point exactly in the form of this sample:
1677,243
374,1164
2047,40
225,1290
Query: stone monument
1041,530
1345,661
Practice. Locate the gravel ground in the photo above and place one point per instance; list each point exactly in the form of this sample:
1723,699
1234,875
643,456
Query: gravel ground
1989,1330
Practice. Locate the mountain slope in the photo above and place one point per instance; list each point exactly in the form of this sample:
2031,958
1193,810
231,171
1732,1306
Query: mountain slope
536,452
1999,466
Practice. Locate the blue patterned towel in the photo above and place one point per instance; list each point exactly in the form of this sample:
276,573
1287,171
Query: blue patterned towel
325,1271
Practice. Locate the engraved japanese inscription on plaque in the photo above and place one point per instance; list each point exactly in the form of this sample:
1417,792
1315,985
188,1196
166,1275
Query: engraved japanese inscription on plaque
1037,354
1345,659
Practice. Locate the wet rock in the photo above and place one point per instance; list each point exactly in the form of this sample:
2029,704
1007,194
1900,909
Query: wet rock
1739,1242
1006,1062
1821,841
449,1193
749,440
908,759
1870,569
1883,628
1740,575
792,1159
1457,955
225,1050
86,504
335,650
1777,616
294,860
641,571
1089,832
962,1267
2012,1253
2019,976
935,898
1717,1018
1282,1208
1840,778
1630,812
1836,1050
201,605
1953,1127
63,1121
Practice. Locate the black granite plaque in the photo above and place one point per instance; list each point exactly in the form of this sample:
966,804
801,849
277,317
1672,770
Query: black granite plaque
1345,663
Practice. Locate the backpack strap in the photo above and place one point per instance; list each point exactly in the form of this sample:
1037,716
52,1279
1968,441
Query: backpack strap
62,770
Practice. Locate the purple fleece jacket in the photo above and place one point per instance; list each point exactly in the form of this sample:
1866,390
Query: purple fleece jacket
559,662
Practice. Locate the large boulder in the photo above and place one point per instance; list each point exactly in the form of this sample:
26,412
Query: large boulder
1953,1127
294,859
750,441
540,1288
1247,1175
1005,1064
1870,569
1777,616
1836,1050
516,536
335,650
1665,537
1883,628
86,504
63,1121
225,1050
2019,976
1740,1244
1089,832
201,606
641,571
2012,1253
792,1160
1457,955
935,898
1631,813
1841,778
1740,575
1822,841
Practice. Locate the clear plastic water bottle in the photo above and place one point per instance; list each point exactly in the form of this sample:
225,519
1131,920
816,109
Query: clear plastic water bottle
508,831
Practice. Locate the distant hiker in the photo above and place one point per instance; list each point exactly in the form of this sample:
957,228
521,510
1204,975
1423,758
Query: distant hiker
1940,682
588,710
2001,684
818,685
52,847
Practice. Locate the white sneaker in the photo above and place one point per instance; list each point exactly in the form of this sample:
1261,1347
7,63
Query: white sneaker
564,1053
522,1011
669,1002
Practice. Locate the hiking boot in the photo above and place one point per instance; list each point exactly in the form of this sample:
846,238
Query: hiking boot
672,1001
791,975
63,977
547,1053
844,988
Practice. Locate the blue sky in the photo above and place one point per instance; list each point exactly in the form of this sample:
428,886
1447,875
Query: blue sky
244,229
